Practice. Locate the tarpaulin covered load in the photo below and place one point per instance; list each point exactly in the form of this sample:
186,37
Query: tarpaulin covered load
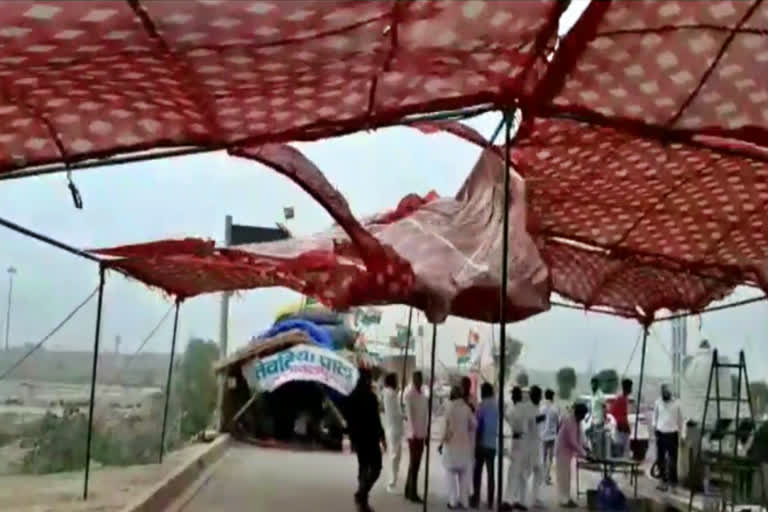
438,254
96,78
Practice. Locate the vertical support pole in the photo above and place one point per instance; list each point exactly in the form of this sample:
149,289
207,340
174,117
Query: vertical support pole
11,272
503,309
405,356
743,363
223,330
718,408
702,426
646,327
737,475
168,381
429,415
94,367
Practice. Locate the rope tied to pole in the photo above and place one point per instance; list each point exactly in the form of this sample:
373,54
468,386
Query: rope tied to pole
48,336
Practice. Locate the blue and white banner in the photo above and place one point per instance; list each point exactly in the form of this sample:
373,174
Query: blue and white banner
302,363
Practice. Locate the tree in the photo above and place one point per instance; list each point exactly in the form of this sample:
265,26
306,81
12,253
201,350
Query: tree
566,382
197,386
609,380
522,379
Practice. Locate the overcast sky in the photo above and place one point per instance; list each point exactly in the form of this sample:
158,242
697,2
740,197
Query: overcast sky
190,196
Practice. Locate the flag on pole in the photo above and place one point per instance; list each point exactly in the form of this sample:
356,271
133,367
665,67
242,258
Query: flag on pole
462,354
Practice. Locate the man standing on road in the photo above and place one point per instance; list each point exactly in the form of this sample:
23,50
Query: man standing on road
620,413
597,437
549,432
667,425
519,419
534,446
416,407
393,426
485,448
366,435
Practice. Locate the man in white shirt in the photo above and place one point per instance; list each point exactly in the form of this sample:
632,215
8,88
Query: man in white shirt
393,426
667,425
416,409
597,435
521,419
534,447
549,431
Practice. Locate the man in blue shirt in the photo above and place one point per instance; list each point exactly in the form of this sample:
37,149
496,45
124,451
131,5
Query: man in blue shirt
485,446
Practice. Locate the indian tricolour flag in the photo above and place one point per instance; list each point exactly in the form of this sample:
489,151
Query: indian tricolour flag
462,354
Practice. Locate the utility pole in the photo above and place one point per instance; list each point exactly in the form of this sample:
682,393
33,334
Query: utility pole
223,328
679,350
11,273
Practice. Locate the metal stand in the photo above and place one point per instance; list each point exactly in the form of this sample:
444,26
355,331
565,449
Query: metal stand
429,415
94,367
168,381
404,379
729,465
503,309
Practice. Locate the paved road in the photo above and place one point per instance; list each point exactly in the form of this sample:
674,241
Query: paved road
262,480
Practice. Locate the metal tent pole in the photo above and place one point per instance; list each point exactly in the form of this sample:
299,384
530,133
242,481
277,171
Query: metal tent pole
503,309
646,327
168,381
429,416
94,367
405,356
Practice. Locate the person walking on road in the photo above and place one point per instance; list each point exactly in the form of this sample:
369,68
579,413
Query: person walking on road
569,445
549,432
519,418
393,426
416,408
487,417
366,435
456,448
667,425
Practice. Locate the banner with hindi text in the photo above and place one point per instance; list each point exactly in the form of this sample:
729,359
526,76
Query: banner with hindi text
301,363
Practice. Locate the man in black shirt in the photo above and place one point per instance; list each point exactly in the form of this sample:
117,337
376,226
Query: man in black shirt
366,435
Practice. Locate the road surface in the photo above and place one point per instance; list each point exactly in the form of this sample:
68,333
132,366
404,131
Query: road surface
264,480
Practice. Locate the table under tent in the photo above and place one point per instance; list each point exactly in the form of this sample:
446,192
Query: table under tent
632,177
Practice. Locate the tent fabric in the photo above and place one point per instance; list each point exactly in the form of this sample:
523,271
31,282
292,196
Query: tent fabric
692,209
631,286
94,79
442,257
674,69
648,225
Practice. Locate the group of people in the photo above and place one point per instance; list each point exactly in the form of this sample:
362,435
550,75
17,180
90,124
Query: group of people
468,443
539,436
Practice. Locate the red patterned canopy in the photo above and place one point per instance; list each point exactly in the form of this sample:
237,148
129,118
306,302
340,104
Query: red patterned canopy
674,69
84,79
438,254
645,137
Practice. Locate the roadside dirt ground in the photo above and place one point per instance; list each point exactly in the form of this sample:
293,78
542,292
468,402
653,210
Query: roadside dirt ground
110,489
